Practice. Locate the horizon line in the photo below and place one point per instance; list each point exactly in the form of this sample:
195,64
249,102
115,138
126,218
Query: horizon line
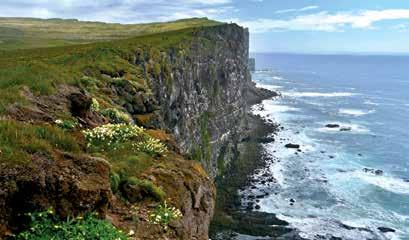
352,53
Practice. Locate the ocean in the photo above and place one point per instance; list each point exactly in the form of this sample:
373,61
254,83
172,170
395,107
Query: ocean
350,116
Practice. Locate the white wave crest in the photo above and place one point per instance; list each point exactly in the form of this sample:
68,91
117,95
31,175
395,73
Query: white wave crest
355,112
318,94
268,86
348,127
388,183
369,102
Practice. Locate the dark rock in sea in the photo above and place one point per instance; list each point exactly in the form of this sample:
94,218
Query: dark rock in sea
332,125
345,129
373,171
406,180
378,172
335,238
331,156
292,200
292,145
386,229
257,207
322,151
360,154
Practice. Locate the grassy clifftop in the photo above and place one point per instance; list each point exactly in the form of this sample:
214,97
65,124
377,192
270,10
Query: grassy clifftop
24,33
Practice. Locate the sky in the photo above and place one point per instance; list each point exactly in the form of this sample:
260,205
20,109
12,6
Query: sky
296,26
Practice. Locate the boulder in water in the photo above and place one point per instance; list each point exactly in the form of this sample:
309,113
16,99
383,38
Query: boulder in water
292,145
386,229
332,125
345,129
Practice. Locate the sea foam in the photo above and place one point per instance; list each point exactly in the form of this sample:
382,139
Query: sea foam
355,112
354,128
318,94
388,183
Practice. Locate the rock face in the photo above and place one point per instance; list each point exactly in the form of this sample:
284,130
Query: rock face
70,184
194,194
204,102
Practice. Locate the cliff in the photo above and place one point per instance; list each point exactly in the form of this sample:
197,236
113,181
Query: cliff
188,88
204,103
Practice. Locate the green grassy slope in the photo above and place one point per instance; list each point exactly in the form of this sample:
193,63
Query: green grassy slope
24,33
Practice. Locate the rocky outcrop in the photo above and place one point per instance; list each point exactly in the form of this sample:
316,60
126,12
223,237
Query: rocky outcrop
189,188
70,184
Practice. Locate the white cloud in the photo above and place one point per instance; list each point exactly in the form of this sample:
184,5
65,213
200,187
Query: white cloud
324,21
307,8
124,11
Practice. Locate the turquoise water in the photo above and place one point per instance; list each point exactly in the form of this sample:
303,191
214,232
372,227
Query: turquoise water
368,97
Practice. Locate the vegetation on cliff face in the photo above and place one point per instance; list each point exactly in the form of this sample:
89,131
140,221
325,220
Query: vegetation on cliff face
60,109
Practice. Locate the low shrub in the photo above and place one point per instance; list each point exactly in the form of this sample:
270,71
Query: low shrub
118,136
114,180
116,116
163,214
95,105
112,135
152,146
47,225
152,191
126,163
66,124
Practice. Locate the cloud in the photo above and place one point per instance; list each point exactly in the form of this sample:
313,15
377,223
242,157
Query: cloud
124,11
307,8
324,21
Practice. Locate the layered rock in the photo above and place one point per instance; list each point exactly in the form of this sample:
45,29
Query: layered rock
70,184
203,100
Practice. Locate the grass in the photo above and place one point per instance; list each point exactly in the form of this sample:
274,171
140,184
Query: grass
24,33
45,225
153,191
18,141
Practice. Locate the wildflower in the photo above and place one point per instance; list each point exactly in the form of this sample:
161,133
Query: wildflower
131,233
95,105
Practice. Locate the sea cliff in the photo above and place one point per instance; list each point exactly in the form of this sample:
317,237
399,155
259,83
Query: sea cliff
189,89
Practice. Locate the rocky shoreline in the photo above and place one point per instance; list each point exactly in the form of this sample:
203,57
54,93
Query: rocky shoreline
233,219
238,215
